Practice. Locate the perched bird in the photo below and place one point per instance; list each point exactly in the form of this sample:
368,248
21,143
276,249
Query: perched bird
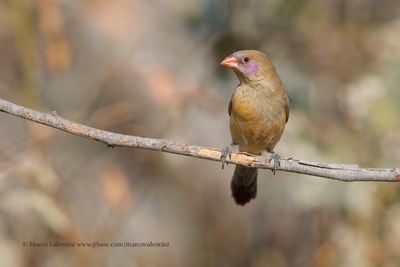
258,110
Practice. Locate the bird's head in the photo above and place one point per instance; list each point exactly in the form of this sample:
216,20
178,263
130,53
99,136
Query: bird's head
249,65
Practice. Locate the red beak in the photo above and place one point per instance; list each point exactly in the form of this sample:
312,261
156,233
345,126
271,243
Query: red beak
230,62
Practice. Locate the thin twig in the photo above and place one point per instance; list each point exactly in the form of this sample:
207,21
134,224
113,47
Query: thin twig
340,172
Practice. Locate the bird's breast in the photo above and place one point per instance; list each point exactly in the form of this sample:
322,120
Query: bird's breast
243,108
256,122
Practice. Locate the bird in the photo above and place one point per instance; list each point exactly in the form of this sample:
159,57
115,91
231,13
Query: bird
259,111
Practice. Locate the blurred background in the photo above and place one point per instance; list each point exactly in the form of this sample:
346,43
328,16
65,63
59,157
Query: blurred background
151,68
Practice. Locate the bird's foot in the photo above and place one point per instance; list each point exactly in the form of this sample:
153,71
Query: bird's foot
227,151
277,161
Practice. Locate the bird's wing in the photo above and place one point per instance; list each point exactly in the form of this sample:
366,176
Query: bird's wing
230,107
230,101
287,108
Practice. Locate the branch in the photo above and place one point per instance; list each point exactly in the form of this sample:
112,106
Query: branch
340,172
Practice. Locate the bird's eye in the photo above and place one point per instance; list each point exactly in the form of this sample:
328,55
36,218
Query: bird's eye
246,59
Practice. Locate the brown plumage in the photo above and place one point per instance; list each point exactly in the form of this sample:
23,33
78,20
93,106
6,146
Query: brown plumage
259,110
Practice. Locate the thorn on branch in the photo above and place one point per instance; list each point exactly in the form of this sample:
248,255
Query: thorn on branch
164,146
55,114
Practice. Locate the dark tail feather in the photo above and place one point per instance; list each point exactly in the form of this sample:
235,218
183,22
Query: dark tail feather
244,184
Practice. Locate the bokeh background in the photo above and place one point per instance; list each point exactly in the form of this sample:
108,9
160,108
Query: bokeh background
151,68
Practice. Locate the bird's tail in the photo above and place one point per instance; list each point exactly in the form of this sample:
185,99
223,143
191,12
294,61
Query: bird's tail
244,184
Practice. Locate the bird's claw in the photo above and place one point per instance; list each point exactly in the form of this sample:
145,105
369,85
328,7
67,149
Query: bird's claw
277,161
227,151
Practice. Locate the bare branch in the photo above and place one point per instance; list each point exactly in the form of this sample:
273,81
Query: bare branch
340,172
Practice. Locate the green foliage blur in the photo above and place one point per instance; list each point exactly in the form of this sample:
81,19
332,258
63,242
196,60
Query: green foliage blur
151,68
